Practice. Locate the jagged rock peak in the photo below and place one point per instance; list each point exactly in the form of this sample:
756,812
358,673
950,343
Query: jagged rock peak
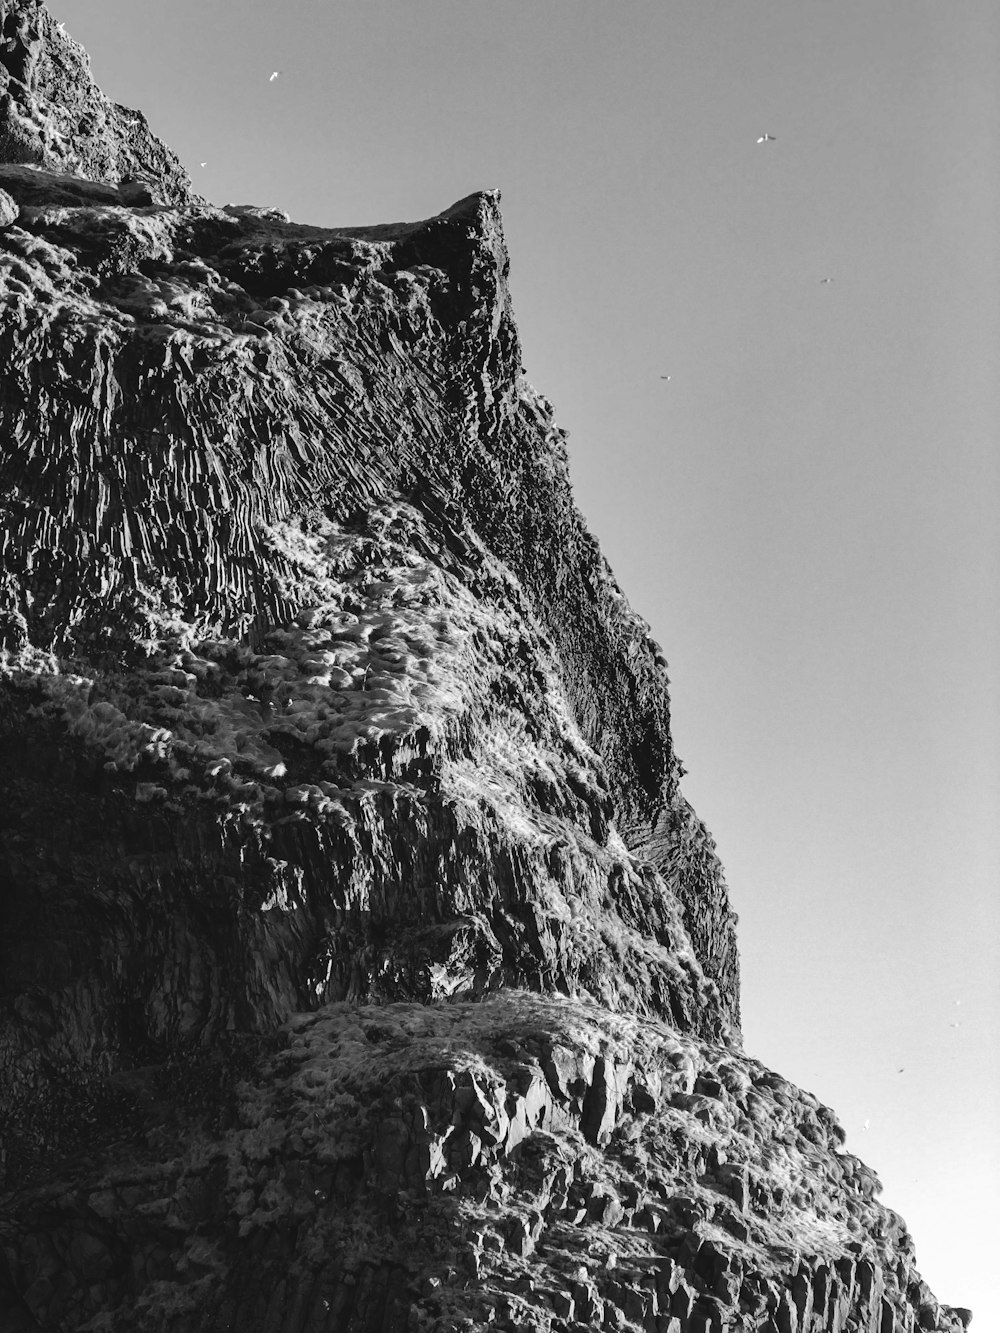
53,115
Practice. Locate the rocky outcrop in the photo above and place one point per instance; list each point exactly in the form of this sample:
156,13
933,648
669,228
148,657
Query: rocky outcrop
53,115
524,1162
362,965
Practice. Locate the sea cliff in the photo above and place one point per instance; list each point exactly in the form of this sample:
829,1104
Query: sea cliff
362,964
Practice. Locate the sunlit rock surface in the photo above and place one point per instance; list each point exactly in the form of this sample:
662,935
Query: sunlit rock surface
52,114
362,965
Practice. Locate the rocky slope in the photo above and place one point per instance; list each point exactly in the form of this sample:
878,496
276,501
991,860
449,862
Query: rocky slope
362,965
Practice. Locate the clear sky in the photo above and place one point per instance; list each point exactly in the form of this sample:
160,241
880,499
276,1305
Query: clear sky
806,512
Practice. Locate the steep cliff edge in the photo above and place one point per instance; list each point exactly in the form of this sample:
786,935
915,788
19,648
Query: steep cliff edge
361,963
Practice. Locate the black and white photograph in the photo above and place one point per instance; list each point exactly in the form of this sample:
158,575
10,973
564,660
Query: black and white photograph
499,659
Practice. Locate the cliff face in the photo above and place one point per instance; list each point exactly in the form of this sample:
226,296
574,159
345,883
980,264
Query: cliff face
362,965
52,114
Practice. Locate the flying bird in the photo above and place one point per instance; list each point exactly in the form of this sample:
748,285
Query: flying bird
766,138
203,164
866,1125
664,377
822,280
274,76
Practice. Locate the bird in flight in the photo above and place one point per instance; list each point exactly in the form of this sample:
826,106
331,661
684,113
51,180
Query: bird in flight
766,138
822,280
274,76
664,377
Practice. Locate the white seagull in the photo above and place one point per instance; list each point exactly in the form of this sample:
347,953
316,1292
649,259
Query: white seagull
274,76
766,138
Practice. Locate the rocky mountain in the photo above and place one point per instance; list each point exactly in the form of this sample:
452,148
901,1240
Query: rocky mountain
362,964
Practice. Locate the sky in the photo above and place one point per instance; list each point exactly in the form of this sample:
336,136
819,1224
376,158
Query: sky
805,512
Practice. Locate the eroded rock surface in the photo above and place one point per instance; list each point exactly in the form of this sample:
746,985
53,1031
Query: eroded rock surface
52,114
362,965
522,1162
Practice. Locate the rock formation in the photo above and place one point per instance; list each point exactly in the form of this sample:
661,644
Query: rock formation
362,965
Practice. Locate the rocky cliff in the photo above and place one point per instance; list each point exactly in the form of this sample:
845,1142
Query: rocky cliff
362,965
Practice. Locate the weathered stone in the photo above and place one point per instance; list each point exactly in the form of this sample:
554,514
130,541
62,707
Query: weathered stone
734,1178
564,1305
587,1302
363,964
803,1296
54,116
888,1322
604,1208
602,1103
527,1112
682,1302
643,1099
567,1072
704,1318
786,1315
519,1238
